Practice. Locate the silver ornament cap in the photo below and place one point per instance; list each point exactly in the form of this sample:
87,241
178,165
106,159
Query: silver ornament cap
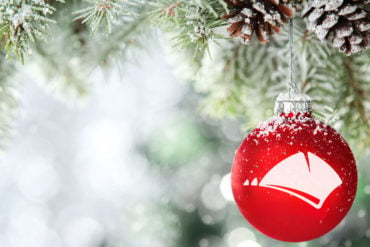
288,103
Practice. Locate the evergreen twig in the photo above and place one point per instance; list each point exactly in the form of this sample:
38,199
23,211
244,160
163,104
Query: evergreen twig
22,22
234,80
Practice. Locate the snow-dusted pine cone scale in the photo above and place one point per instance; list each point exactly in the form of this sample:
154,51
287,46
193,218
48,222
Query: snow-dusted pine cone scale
260,17
346,22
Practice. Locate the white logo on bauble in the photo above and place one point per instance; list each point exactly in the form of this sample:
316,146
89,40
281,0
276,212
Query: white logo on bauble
308,178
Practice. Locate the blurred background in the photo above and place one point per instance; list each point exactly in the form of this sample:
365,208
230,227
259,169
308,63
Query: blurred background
135,166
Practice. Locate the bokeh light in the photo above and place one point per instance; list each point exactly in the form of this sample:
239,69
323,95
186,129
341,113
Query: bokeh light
225,187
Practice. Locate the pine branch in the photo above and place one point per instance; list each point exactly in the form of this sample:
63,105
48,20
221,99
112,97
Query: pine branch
192,24
61,65
22,22
124,40
236,83
109,12
236,80
9,99
356,120
66,71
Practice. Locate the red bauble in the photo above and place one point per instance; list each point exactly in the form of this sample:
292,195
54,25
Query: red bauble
294,178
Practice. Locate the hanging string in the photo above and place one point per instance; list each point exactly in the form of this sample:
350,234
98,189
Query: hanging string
292,87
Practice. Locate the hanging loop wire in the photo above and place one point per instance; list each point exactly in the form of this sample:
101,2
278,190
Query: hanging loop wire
292,104
292,86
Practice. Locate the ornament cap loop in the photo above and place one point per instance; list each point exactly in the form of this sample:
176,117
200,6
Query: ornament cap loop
293,104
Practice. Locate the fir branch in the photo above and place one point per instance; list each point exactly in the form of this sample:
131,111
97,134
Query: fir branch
66,78
192,24
109,12
238,81
123,40
356,119
9,99
22,22
65,71
358,92
62,67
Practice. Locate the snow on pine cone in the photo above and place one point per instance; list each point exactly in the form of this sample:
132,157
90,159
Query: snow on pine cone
262,17
347,21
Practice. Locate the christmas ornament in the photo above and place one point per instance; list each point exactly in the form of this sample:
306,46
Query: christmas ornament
294,178
262,17
346,21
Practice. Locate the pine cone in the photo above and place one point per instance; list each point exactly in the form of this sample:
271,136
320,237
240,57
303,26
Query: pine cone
263,17
346,20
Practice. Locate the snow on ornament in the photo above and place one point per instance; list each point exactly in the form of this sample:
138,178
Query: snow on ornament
294,178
